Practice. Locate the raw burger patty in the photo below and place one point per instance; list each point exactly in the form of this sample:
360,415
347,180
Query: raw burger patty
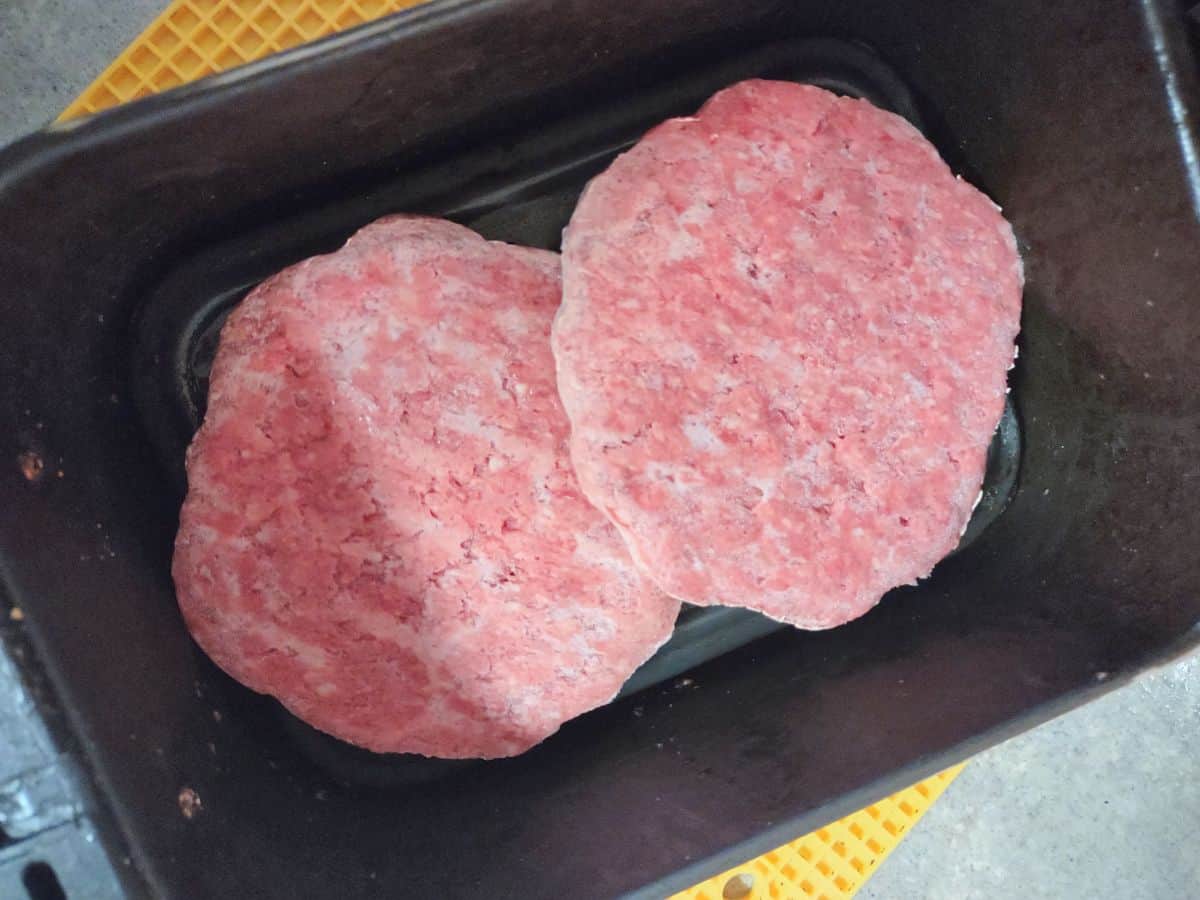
782,347
383,529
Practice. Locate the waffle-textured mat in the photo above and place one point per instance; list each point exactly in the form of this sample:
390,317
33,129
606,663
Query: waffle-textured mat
194,38
833,862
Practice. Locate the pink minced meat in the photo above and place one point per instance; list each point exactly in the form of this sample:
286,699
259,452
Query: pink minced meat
782,347
382,528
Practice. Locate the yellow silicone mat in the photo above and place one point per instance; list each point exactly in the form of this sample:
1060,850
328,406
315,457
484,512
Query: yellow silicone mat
830,863
194,38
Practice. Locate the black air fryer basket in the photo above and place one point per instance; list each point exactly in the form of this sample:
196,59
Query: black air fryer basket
127,237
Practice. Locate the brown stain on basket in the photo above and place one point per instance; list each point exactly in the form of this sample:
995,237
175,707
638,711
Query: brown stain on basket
189,803
31,465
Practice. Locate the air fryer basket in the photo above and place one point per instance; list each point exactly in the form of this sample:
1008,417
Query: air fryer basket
125,236
179,322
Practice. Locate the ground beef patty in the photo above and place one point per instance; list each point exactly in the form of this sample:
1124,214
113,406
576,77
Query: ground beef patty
382,527
782,347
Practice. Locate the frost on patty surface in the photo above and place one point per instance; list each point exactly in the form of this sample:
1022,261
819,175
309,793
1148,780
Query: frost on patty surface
382,528
783,347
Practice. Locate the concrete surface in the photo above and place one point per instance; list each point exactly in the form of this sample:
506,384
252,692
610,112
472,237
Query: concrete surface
1102,803
50,50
